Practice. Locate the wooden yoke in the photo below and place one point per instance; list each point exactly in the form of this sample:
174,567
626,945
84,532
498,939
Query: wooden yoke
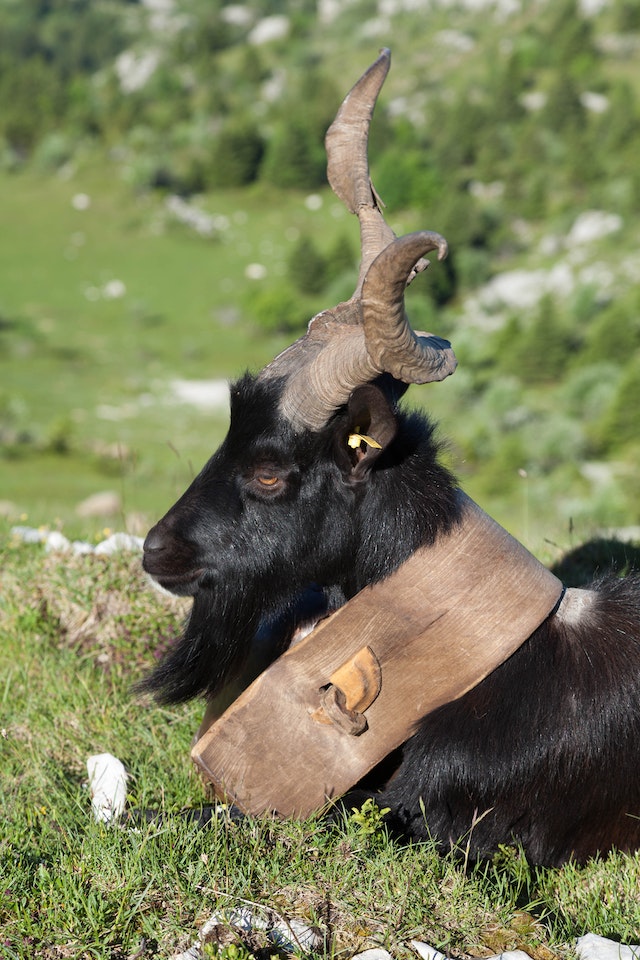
330,708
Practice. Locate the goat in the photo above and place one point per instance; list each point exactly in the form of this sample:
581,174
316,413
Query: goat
324,485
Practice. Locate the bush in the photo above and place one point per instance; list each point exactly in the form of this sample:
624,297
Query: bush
294,157
615,334
277,310
237,154
619,425
538,350
307,267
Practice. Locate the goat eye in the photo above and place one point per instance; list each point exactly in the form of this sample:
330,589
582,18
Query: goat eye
267,480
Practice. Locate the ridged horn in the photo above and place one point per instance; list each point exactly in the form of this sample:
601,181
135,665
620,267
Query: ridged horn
369,334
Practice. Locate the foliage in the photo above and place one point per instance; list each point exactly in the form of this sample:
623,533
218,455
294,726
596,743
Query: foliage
619,424
538,350
236,155
369,818
269,106
307,266
512,129
276,309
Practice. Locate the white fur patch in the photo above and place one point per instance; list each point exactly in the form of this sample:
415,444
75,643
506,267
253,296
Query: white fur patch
574,605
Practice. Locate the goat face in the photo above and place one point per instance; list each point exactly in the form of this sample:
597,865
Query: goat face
278,512
258,512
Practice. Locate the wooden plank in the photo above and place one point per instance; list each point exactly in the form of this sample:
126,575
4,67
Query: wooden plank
437,626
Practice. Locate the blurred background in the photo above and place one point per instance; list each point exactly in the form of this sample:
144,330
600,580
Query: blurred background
166,224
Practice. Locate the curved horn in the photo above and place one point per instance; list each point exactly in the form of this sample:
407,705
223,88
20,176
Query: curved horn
365,337
391,343
348,164
369,334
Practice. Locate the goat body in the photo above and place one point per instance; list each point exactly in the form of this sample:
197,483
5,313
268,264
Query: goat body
284,523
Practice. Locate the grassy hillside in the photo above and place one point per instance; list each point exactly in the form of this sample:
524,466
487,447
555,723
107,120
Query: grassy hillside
150,237
85,376
165,221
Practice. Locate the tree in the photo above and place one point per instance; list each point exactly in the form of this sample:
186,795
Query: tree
307,267
294,157
620,426
236,156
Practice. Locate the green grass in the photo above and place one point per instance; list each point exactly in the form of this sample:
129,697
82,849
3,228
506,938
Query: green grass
186,314
85,404
75,634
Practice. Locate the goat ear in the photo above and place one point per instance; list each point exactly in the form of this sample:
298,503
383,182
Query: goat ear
369,427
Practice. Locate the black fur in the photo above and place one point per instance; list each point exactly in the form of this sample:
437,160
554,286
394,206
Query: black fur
543,753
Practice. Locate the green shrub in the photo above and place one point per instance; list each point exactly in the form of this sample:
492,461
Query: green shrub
307,267
619,424
277,310
294,157
236,156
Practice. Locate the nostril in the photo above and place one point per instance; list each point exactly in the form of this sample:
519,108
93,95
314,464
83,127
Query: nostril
154,542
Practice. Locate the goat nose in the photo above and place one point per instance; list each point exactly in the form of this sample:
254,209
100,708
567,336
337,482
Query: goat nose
154,542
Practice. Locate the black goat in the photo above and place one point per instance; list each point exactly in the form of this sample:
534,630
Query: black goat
290,511
544,752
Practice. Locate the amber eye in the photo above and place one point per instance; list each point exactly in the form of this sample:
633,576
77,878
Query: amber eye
267,481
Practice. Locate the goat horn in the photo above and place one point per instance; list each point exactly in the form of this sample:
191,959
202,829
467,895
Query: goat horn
348,165
368,335
362,338
391,343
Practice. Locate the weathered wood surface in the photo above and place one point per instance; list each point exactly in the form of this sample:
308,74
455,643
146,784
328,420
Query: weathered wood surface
436,627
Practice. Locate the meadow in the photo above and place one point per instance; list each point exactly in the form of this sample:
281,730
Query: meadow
75,634
137,256
110,303
102,307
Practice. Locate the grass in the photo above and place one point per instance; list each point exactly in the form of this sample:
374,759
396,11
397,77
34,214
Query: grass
81,373
75,635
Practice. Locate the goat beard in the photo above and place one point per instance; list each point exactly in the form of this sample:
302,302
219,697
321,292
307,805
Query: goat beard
212,649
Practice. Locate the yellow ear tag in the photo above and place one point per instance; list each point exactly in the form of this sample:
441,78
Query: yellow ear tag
357,439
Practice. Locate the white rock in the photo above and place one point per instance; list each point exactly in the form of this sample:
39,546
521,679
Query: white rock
103,504
291,936
52,539
118,542
237,15
427,952
255,271
56,541
595,102
108,786
28,534
376,953
593,225
533,100
520,289
590,8
134,70
271,28
81,201
113,290
81,547
295,936
193,953
455,39
593,947
206,394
